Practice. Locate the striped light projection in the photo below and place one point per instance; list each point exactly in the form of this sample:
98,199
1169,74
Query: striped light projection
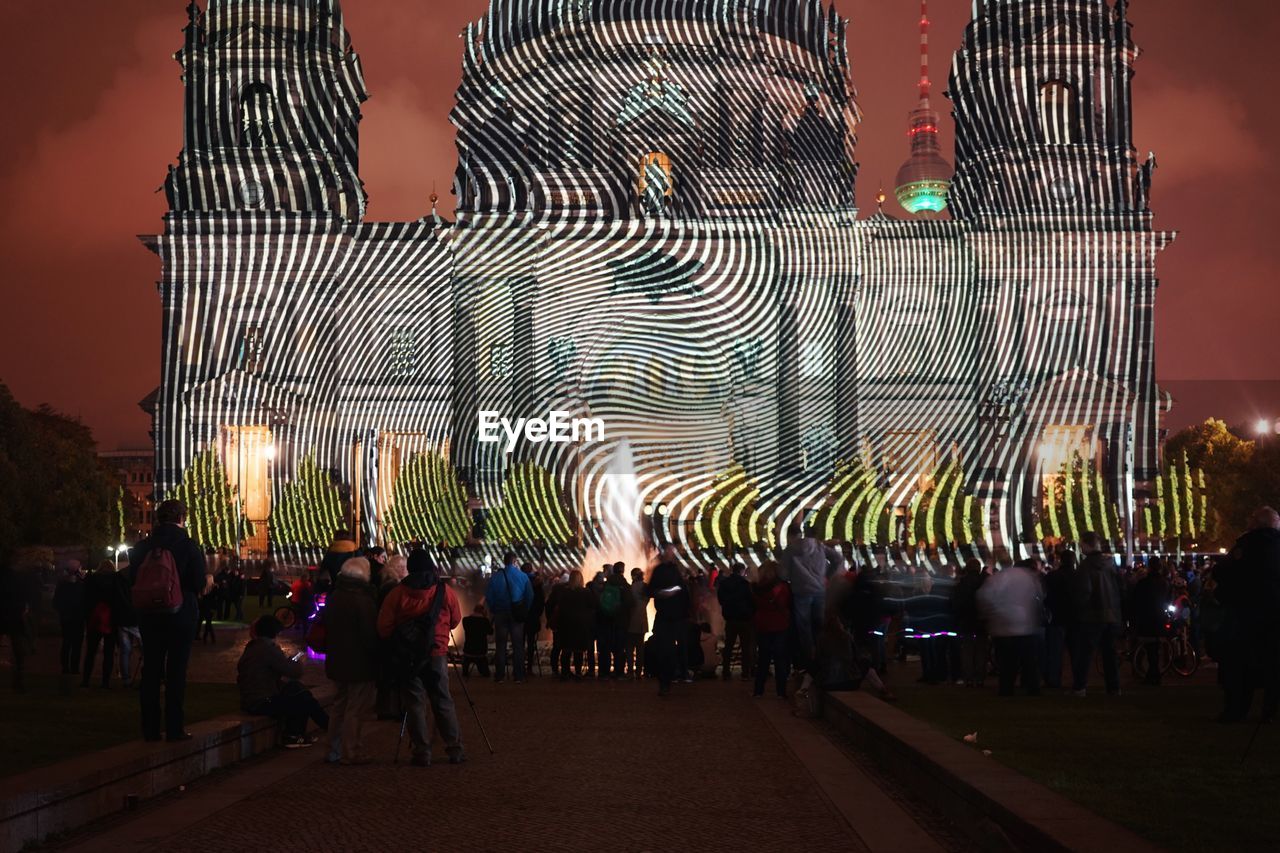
656,227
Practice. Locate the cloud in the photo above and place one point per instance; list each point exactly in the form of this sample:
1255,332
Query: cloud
1198,132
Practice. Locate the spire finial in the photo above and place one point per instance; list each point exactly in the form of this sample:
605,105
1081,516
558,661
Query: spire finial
925,85
880,198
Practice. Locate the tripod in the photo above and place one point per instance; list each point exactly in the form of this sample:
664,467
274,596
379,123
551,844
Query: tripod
452,665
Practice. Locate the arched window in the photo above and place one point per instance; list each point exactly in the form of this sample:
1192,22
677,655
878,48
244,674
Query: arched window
1059,113
257,116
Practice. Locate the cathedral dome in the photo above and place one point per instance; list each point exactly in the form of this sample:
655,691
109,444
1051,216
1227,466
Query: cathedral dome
682,108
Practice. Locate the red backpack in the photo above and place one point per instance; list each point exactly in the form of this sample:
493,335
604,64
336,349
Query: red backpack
156,589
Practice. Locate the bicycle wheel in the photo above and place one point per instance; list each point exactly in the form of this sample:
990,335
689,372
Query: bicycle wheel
1138,660
1185,660
286,616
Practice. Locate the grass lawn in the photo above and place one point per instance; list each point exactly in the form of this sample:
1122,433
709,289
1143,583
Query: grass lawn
1152,760
49,723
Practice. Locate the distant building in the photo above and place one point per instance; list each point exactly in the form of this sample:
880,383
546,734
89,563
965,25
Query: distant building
135,472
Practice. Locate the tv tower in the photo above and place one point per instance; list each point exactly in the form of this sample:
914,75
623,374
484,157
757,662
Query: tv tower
924,180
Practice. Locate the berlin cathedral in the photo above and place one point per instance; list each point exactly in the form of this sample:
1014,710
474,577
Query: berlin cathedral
656,227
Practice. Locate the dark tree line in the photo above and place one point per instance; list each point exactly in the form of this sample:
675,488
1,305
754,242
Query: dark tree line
53,488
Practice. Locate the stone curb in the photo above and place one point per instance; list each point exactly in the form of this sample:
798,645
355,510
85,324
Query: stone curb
996,807
68,795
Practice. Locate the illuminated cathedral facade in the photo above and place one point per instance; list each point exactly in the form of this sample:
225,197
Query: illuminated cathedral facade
655,226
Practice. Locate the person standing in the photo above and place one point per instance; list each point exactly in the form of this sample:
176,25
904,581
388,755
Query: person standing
637,627
128,637
771,622
267,584
236,589
14,608
423,598
575,621
351,652
377,558
737,606
476,631
969,623
1097,602
1011,603
613,614
807,564
101,603
388,701
1059,604
1151,596
68,601
670,596
1248,587
508,597
166,567
533,624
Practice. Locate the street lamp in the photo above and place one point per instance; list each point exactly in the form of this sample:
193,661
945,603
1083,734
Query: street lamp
1263,428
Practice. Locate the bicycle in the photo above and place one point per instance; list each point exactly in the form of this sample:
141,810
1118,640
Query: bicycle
1175,652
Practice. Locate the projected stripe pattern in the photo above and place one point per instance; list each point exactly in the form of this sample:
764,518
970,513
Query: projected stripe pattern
656,227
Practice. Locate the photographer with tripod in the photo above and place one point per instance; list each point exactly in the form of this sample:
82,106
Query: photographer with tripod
418,617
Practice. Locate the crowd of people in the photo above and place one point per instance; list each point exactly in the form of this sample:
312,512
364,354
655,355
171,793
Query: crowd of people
387,627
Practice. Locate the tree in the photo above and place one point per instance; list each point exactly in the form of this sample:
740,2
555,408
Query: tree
1078,500
729,515
532,508
856,509
428,502
945,512
1225,460
309,509
53,488
215,517
1180,508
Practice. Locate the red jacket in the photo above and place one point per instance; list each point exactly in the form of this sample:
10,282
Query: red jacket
773,607
407,602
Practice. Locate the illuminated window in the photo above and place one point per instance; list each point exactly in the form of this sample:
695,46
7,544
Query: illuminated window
252,347
563,351
655,172
746,359
818,448
402,354
812,359
501,361
1059,113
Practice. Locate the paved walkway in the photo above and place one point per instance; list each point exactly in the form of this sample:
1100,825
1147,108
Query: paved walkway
578,767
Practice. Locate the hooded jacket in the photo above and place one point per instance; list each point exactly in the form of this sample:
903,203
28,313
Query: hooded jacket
351,626
808,564
411,599
1097,591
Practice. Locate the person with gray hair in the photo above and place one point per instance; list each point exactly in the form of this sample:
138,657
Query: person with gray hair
1248,585
351,658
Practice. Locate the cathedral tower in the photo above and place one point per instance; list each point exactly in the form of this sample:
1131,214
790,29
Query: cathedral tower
273,94
1042,107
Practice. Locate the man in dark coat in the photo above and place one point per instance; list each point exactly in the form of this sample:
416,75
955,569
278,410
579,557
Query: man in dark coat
1151,595
351,658
670,595
68,601
1097,602
1248,585
737,606
167,637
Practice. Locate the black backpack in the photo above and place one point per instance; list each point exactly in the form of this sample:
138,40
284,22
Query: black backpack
413,642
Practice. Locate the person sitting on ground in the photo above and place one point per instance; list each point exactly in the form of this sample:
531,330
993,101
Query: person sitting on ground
476,631
269,685
351,652
845,665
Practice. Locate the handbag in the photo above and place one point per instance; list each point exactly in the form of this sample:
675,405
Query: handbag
519,610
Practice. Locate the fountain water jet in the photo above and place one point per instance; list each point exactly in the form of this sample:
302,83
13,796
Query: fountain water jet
622,536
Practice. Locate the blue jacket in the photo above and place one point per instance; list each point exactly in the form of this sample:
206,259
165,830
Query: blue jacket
499,593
